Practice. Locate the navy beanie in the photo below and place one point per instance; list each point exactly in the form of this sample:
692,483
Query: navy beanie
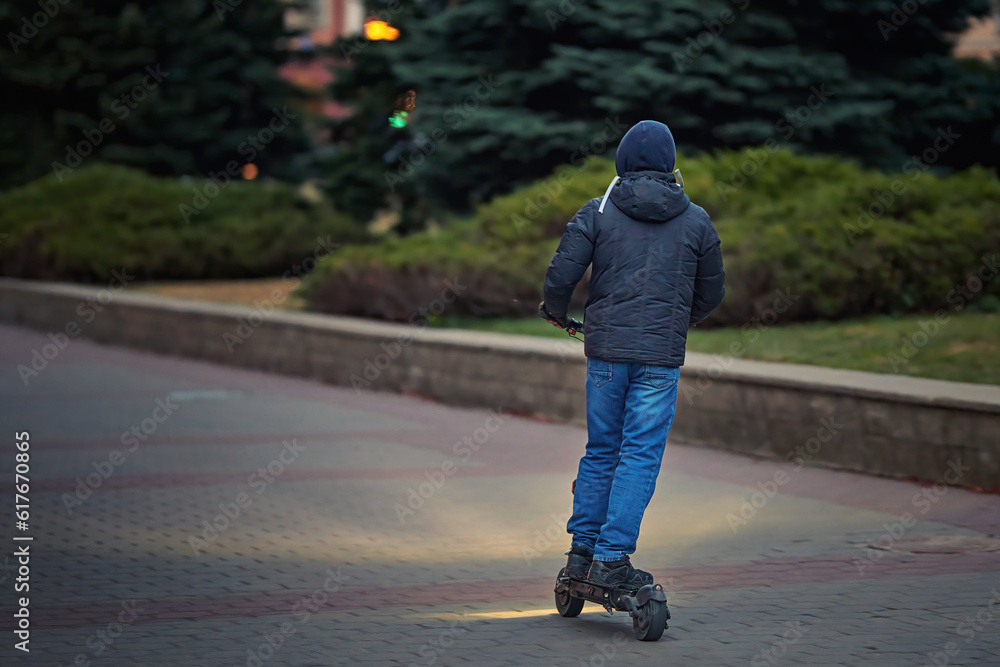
648,146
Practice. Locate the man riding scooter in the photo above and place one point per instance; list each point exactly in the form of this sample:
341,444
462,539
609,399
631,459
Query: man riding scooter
657,271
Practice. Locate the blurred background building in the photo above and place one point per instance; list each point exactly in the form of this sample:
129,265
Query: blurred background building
322,21
982,39
317,24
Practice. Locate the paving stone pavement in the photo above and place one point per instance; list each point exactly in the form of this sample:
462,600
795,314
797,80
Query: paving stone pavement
278,521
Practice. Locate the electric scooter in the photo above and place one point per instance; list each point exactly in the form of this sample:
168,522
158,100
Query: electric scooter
647,606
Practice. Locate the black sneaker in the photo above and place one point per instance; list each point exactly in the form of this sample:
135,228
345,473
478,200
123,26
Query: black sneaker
578,563
618,574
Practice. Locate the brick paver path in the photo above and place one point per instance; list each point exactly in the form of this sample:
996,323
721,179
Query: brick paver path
369,529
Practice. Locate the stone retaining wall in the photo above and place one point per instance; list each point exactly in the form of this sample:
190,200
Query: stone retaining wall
891,425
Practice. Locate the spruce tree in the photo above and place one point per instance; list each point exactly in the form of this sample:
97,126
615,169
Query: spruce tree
174,88
507,90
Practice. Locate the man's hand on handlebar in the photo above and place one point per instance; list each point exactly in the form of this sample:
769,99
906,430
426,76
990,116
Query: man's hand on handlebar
562,323
568,323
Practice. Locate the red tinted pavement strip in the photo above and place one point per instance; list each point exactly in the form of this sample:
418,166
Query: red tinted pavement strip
770,572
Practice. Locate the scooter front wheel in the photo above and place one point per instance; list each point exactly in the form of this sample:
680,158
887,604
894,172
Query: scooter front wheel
649,621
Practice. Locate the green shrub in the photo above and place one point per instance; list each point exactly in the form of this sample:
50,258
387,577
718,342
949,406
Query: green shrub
798,224
393,280
103,218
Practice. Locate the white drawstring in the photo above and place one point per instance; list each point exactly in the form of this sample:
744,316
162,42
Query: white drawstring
680,179
607,193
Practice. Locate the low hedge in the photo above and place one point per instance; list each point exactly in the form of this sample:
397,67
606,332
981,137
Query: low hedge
839,240
103,218
392,281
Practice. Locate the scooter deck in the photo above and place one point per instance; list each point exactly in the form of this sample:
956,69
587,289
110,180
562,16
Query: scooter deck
616,599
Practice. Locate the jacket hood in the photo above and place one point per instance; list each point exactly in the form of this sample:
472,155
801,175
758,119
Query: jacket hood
647,146
649,196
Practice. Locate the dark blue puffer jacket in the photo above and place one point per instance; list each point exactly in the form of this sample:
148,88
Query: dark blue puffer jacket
657,266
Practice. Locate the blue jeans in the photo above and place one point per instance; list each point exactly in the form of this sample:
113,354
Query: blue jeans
630,408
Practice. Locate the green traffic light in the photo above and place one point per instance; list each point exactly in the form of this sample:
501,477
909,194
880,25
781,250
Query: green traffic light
398,119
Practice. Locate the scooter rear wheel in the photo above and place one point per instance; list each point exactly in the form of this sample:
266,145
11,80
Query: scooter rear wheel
649,621
566,604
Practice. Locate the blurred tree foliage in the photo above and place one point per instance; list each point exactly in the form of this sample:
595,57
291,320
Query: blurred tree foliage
506,90
173,88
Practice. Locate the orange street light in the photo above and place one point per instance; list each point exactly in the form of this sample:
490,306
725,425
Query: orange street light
380,30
